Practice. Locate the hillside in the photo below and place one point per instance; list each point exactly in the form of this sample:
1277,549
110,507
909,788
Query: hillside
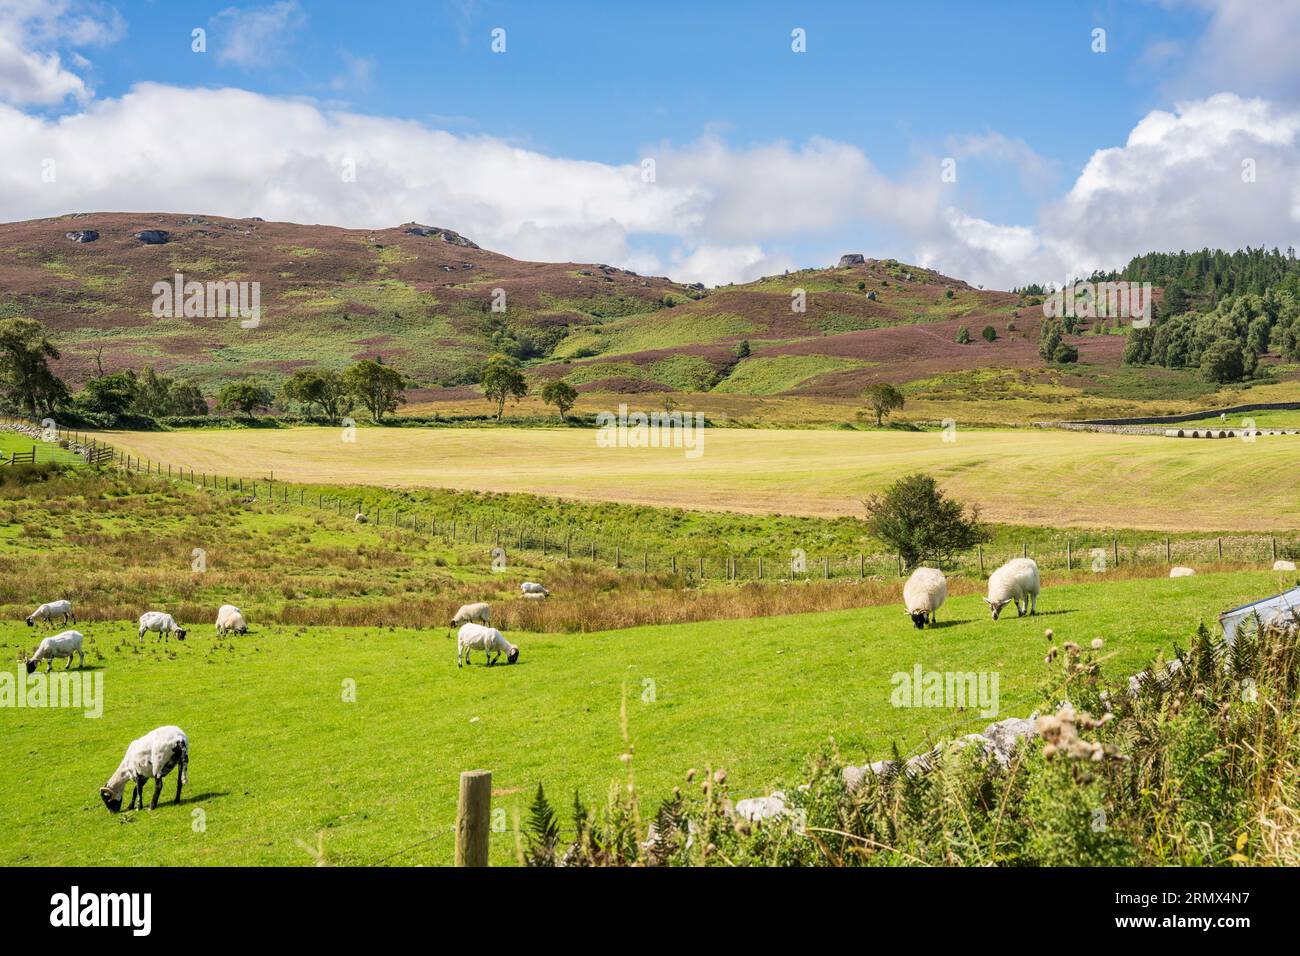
421,298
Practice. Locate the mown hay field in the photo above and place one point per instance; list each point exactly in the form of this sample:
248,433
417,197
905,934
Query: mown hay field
1035,477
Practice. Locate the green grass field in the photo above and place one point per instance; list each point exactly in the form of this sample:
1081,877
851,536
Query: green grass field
11,442
1024,476
278,756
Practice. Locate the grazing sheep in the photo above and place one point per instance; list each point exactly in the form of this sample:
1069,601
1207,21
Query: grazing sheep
1018,581
48,612
164,624
60,645
1181,572
1283,565
476,637
360,518
923,595
480,613
231,618
532,587
152,756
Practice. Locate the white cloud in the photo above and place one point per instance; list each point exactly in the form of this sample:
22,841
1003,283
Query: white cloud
32,71
257,36
719,264
1246,46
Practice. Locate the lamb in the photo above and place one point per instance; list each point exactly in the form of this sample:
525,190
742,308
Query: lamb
1181,572
60,645
152,756
923,595
164,624
1017,580
48,612
532,587
231,618
476,637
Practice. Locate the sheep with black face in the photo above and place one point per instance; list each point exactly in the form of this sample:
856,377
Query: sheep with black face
150,757
476,637
923,595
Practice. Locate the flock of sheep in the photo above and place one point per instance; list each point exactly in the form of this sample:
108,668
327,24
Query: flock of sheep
1017,580
157,753
154,755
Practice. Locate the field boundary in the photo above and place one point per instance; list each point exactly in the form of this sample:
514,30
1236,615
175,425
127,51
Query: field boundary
685,561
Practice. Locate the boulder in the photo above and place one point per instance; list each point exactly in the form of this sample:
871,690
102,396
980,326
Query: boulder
433,232
82,235
153,237
851,259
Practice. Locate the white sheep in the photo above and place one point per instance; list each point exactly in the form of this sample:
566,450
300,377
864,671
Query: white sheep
532,587
476,637
1281,565
231,618
480,613
60,645
360,518
151,757
923,595
46,613
164,624
1181,572
1018,581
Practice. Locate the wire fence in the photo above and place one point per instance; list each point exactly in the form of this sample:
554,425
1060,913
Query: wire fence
503,534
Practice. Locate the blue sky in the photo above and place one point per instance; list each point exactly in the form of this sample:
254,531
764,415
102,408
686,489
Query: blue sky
767,158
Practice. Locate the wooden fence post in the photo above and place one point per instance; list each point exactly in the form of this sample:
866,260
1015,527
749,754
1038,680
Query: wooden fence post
862,567
1274,540
1069,556
1115,546
980,549
473,818
1220,540
1168,551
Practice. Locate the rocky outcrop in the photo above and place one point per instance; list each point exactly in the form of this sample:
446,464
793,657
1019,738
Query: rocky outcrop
82,235
153,237
851,259
433,232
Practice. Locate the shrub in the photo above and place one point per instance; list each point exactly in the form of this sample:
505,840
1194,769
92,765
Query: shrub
963,336
989,333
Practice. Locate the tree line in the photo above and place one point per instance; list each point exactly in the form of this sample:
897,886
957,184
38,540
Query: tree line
27,382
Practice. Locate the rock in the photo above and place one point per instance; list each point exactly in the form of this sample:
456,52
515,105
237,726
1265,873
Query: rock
1004,735
851,259
761,808
153,237
697,286
1283,565
433,232
82,235
871,297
